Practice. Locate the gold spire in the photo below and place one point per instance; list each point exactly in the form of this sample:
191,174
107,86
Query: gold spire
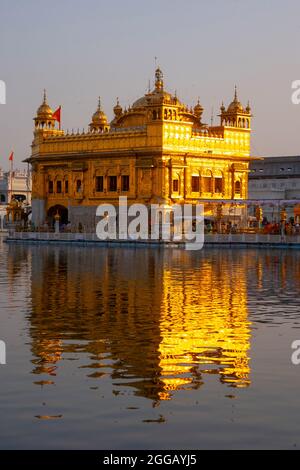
99,119
44,112
235,106
159,83
118,109
198,109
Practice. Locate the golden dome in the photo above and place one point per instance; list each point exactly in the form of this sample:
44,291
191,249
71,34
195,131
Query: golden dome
198,109
235,106
99,117
44,111
156,97
118,109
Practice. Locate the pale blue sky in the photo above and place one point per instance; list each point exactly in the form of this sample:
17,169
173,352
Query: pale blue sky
81,49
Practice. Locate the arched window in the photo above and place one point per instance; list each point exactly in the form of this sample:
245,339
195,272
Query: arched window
58,187
195,183
218,182
2,198
237,187
78,186
175,185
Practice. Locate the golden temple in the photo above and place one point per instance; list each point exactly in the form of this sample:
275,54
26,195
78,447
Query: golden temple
156,151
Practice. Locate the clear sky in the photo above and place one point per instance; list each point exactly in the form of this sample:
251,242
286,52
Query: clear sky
79,50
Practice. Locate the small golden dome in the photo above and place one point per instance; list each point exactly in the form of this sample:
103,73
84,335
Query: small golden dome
118,109
235,106
44,111
99,117
198,109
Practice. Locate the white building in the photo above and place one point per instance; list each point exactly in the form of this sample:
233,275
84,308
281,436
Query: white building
275,180
15,184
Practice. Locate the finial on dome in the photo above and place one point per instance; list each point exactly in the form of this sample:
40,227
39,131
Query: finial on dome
198,109
99,119
159,83
118,109
235,93
44,115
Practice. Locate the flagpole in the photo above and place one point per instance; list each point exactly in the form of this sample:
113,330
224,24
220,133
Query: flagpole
11,176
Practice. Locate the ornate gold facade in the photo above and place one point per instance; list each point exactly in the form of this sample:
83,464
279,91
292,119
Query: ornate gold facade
156,151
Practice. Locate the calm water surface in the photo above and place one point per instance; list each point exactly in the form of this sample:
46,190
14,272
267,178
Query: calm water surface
147,348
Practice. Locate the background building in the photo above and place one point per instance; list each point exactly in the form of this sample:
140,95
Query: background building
15,184
276,180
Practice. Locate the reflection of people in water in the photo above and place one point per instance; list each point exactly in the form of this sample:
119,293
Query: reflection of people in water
155,321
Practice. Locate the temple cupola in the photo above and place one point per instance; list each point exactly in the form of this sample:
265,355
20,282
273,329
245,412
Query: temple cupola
236,115
44,117
99,120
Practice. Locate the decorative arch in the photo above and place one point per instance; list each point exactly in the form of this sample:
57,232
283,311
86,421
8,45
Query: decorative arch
237,186
58,209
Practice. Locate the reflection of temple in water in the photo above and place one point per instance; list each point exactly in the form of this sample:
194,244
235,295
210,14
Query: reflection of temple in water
154,320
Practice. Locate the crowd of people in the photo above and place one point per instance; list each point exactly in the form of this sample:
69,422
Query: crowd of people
290,227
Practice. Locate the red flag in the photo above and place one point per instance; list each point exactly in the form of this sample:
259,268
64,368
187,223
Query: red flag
11,157
57,114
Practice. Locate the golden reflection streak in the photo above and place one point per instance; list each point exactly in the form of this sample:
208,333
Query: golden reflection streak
203,323
154,320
